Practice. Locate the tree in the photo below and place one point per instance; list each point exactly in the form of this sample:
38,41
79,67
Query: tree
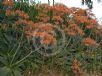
53,2
89,3
48,2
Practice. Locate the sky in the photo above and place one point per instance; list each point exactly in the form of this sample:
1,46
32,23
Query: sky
97,7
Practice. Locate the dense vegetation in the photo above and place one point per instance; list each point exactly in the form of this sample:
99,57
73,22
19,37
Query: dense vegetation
40,38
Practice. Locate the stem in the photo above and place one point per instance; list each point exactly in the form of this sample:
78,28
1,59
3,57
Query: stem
17,50
53,2
48,2
15,53
25,57
68,43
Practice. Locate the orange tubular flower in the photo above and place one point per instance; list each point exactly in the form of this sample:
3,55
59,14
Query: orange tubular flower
89,42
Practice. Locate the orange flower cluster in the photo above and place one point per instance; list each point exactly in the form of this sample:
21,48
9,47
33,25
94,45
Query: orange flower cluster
59,14
81,19
57,19
48,39
46,34
22,14
76,67
45,37
89,42
47,27
43,30
8,2
73,30
30,25
61,8
80,31
91,24
43,16
81,12
9,12
81,16
40,25
70,32
21,22
17,12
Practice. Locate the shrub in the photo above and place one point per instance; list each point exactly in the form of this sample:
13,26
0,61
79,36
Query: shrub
62,38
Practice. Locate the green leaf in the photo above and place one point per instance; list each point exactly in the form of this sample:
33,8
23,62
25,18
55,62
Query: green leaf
4,71
17,73
3,60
